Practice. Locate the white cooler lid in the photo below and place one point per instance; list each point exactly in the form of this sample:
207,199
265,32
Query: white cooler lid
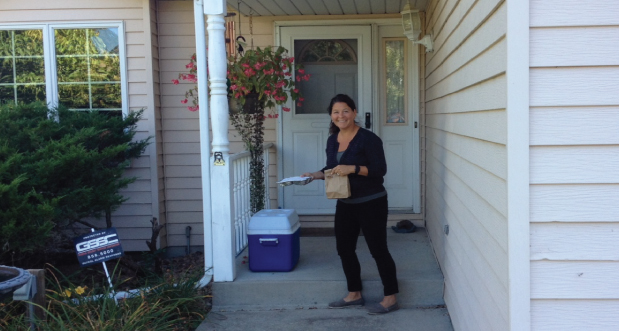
274,221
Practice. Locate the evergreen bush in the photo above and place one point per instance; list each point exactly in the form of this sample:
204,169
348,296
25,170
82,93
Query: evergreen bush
58,168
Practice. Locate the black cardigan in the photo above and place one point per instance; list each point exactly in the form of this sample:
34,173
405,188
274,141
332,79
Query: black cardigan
365,149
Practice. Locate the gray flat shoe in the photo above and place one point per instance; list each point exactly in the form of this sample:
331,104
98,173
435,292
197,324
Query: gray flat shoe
343,304
377,308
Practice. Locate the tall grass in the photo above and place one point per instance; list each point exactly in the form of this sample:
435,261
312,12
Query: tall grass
169,304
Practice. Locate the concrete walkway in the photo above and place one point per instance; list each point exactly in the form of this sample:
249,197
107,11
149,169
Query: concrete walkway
297,300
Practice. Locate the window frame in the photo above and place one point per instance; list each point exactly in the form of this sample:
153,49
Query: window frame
383,81
49,55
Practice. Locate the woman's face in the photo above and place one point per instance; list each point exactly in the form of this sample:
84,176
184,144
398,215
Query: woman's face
343,116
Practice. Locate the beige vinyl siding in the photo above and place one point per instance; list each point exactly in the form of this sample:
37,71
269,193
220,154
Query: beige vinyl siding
574,165
180,128
132,218
465,158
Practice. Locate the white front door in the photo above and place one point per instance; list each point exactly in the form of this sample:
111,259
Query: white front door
305,129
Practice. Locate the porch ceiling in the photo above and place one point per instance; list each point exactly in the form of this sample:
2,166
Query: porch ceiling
323,7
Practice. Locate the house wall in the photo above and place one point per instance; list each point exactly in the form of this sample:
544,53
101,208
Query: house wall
132,219
466,160
574,165
181,152
180,127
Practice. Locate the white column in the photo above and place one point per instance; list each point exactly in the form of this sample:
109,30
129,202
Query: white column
221,208
205,138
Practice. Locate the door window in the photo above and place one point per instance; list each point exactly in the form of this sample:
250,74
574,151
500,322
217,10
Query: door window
394,81
332,66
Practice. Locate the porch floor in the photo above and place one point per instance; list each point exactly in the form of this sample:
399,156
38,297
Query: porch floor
298,299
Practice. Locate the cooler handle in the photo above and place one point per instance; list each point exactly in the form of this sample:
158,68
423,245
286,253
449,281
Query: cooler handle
268,241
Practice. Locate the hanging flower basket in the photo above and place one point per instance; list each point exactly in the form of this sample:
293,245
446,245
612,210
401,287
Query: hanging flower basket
257,80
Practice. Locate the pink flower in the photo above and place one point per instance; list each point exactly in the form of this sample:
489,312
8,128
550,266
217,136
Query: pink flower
301,71
249,72
280,84
296,90
301,99
234,87
287,74
298,78
285,109
184,101
175,81
193,108
284,67
189,65
306,77
192,78
299,104
245,65
291,59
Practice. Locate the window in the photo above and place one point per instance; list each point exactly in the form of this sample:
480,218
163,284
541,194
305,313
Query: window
394,80
22,67
80,66
332,64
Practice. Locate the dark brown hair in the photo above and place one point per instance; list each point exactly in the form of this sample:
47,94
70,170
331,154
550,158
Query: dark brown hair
340,98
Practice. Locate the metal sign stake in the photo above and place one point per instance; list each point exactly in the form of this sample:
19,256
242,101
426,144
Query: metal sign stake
107,274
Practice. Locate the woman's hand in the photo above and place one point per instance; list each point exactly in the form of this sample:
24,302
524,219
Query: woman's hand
343,170
314,175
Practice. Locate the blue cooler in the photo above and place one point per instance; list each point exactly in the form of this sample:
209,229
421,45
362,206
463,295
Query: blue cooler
273,240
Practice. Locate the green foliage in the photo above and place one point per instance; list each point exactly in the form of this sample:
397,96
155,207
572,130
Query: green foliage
249,121
55,173
171,304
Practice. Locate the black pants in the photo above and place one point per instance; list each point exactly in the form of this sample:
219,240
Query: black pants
371,217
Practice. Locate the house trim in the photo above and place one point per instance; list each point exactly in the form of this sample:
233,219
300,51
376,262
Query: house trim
519,279
152,118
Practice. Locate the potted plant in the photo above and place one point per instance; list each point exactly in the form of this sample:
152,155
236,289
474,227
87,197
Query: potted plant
257,80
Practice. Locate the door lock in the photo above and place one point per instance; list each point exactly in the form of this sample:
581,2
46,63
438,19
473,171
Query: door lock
368,120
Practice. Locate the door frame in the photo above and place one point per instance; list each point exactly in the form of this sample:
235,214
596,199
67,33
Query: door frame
413,90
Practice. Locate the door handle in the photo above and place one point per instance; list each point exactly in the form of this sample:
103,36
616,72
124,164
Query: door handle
368,120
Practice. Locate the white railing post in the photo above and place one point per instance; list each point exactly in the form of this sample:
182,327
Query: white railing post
241,196
267,183
221,206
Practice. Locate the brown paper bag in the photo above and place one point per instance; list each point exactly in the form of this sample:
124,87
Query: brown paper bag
337,187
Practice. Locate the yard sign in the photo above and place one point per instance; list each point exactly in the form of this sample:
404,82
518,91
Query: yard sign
98,246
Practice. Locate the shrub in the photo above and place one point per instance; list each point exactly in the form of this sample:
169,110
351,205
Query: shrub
170,304
58,168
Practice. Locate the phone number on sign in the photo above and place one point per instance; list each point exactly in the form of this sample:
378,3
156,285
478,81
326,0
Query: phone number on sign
102,253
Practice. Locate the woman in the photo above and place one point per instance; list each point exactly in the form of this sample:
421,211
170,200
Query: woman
358,154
